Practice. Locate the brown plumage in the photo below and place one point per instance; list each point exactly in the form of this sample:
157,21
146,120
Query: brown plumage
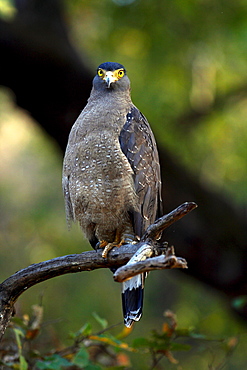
111,174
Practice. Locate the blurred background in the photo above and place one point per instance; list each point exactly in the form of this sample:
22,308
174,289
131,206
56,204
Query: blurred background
187,62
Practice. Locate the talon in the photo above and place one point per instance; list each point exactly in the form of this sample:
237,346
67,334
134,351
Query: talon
110,246
128,239
123,241
101,244
106,250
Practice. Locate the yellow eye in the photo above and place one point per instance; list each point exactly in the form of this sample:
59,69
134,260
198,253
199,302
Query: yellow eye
120,73
100,72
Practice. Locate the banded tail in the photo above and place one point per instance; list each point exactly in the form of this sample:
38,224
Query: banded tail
132,299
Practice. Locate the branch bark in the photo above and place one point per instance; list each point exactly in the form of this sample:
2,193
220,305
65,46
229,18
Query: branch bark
24,279
162,262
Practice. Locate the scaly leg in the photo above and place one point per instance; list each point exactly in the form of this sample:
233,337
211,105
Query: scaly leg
101,244
119,240
108,246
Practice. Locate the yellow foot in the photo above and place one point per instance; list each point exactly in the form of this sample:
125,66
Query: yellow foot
109,247
102,244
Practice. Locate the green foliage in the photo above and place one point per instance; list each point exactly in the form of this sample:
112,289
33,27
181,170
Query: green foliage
19,334
84,331
104,350
81,358
103,323
240,302
53,362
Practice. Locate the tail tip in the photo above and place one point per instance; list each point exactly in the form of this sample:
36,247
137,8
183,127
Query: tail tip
132,317
132,299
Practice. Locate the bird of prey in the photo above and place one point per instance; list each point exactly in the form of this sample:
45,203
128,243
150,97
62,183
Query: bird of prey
111,174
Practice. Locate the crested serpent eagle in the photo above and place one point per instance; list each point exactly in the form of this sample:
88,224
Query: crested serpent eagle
111,173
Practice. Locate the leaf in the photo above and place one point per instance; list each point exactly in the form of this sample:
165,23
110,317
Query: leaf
160,346
41,365
81,358
23,363
18,321
166,329
184,332
199,336
179,347
54,362
84,331
124,333
18,334
111,341
100,320
239,302
31,334
92,367
141,342
123,360
160,336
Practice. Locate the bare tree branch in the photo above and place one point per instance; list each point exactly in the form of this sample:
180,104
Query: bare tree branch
24,279
141,262
167,261
155,230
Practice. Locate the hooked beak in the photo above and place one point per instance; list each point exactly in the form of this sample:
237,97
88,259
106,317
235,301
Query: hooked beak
109,78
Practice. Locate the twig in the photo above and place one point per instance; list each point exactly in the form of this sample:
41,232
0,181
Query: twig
140,262
167,261
153,231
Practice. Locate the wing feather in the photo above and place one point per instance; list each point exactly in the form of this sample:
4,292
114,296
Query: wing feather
138,144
